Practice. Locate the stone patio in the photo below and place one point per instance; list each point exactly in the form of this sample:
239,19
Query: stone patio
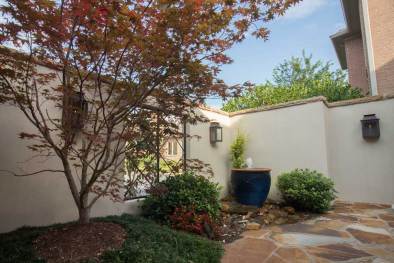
351,232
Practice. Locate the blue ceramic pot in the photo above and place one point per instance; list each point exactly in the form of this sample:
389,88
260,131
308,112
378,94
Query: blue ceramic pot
251,186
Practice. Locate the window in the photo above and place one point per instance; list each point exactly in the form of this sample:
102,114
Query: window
172,147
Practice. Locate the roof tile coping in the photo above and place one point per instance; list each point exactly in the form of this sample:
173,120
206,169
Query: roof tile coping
302,102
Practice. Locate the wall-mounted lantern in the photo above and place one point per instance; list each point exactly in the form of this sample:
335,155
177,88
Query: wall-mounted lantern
370,127
215,133
75,110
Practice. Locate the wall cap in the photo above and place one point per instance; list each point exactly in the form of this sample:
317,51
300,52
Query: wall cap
302,102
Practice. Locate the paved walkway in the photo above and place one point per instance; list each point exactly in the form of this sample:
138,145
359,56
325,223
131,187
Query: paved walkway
355,232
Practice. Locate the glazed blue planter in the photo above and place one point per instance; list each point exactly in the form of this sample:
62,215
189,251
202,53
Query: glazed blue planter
251,186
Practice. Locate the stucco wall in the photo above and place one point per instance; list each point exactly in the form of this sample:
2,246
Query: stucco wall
286,139
314,135
381,13
38,199
199,147
362,171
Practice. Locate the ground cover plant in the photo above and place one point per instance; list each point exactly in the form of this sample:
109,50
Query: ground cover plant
146,242
307,190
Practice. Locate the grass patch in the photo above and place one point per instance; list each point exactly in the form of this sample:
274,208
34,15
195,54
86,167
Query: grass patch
146,242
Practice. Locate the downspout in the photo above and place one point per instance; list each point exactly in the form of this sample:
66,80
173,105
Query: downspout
368,43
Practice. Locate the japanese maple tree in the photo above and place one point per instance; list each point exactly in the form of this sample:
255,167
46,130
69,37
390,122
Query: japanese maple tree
108,60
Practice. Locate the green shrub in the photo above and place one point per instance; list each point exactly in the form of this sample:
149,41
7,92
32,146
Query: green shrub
182,191
307,190
237,150
268,94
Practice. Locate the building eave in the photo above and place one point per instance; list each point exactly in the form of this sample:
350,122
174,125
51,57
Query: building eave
351,12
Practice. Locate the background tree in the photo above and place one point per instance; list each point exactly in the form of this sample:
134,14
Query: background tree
294,79
108,60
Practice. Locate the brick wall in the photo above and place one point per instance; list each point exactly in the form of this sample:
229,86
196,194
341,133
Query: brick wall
381,14
356,64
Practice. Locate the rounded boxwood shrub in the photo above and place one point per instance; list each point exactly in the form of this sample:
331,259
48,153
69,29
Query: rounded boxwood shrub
185,191
307,190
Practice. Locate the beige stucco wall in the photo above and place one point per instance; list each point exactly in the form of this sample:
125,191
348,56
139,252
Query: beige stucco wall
315,135
199,147
362,171
381,16
285,139
39,199
356,64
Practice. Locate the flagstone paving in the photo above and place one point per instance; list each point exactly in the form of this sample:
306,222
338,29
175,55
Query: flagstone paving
351,232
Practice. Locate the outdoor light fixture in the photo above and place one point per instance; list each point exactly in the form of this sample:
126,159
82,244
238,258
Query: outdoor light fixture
75,111
370,127
215,133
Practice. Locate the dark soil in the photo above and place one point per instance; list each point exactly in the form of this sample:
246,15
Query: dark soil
73,243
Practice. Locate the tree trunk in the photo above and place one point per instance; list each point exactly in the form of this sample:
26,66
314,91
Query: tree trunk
84,215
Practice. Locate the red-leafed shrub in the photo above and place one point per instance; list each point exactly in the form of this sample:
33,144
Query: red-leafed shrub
189,220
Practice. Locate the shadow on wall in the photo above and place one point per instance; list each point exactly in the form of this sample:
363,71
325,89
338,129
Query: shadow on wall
385,78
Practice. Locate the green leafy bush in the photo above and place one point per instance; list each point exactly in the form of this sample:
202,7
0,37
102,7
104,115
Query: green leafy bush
237,151
188,191
307,190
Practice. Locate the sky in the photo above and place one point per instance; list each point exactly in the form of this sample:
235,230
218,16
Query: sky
307,26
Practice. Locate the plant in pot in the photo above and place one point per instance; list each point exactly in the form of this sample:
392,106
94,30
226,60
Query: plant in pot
250,185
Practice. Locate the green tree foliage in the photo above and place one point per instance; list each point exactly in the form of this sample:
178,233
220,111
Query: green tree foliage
295,79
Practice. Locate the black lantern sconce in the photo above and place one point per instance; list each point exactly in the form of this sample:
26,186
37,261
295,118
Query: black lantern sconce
370,127
215,133
75,111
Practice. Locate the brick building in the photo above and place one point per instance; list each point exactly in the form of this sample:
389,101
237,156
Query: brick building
366,46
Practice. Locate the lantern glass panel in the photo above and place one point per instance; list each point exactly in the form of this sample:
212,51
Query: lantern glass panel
219,134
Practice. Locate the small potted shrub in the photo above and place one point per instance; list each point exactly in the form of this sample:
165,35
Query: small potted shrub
250,185
307,190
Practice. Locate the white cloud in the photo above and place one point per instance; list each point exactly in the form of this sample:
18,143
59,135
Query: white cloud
305,8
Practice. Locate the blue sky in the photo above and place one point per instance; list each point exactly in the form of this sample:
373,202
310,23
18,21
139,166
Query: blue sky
307,26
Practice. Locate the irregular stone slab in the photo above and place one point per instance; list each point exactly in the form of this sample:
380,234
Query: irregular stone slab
298,239
387,217
340,207
311,229
293,255
248,250
372,222
274,259
381,253
256,233
342,217
369,206
375,230
370,237
337,252
332,224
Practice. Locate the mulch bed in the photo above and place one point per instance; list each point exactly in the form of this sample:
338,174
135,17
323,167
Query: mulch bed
73,243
